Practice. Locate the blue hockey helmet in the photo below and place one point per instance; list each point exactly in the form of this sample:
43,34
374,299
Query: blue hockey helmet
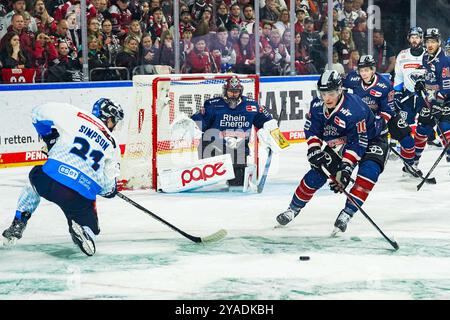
329,80
106,108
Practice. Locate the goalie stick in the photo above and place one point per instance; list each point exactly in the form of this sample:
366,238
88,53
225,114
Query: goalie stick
216,236
393,243
263,179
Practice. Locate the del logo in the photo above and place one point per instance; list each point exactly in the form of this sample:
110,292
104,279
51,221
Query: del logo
375,93
251,108
72,174
339,122
205,173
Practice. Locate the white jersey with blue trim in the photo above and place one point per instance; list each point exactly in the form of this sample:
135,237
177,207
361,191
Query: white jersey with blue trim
86,156
407,70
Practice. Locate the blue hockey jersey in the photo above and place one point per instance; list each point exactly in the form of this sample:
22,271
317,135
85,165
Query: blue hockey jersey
351,124
228,122
437,76
379,96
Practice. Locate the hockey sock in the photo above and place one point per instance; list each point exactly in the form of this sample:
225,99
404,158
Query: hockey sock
311,182
407,149
368,174
28,201
420,140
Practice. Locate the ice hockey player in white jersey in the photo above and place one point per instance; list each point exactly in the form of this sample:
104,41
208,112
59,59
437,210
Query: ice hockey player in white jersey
83,162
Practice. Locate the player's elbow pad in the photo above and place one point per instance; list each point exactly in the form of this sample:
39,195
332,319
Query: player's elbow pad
271,135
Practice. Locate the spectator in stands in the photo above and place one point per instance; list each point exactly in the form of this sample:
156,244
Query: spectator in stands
265,33
310,36
185,22
65,69
336,64
18,6
158,25
344,46
235,16
301,14
206,25
234,34
26,37
146,16
320,55
249,18
93,29
271,11
74,33
197,8
245,55
353,62
147,51
357,7
283,23
222,15
102,11
166,50
45,23
135,30
348,16
62,35
383,53
199,59
128,57
281,55
324,31
186,45
74,6
222,51
11,55
303,62
120,17
360,35
111,43
97,58
44,54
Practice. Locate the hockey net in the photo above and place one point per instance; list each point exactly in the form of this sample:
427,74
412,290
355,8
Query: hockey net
158,101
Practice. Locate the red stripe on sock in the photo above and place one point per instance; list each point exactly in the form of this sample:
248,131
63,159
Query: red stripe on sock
407,153
304,192
364,183
359,192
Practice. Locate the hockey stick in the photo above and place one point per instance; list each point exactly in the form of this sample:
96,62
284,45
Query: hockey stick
211,238
263,179
427,180
350,197
447,147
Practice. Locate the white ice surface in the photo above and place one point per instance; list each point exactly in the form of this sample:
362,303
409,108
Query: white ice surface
140,258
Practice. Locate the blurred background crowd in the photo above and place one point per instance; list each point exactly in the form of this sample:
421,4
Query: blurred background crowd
128,37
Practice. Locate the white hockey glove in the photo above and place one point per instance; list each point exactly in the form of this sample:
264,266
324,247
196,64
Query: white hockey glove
271,135
184,128
233,143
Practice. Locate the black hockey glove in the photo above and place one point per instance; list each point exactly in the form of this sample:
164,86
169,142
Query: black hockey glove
316,157
50,140
419,87
398,96
343,177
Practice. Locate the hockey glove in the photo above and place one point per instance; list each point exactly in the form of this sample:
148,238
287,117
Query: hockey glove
50,140
316,157
419,87
111,194
398,96
343,177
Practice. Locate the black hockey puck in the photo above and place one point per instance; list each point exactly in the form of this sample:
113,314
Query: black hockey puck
304,258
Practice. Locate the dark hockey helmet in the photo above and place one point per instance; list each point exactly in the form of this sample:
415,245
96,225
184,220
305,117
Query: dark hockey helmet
416,31
366,61
106,108
432,33
329,80
447,44
232,84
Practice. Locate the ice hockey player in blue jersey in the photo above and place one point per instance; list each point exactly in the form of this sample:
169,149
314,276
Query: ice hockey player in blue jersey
377,92
83,162
226,123
436,90
352,135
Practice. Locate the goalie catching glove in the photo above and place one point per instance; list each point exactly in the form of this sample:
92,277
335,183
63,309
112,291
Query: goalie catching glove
271,135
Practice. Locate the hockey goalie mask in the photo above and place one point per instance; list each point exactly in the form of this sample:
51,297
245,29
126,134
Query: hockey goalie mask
232,91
